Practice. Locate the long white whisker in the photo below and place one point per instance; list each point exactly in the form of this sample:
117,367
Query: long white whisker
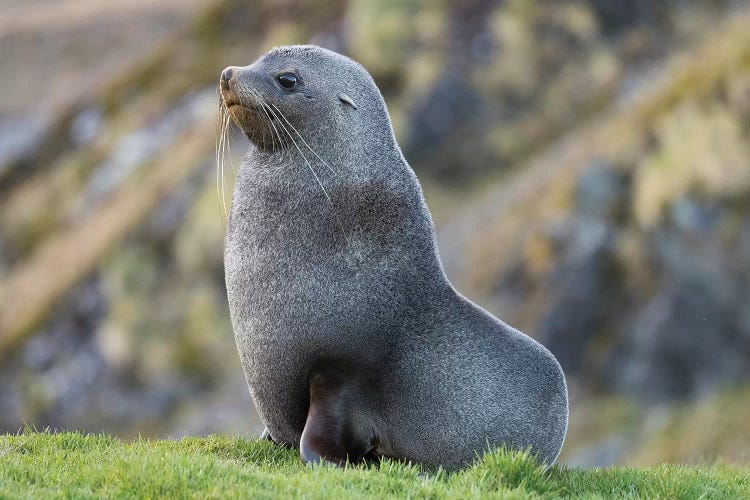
223,200
223,114
270,130
263,106
230,140
303,140
227,155
309,166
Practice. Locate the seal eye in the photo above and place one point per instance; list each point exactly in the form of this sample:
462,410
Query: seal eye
287,80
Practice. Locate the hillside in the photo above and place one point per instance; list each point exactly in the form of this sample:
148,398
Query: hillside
586,164
75,465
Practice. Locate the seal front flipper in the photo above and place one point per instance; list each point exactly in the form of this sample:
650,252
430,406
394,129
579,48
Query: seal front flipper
338,427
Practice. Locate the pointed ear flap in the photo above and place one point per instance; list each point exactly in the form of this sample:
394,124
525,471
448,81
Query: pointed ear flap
347,100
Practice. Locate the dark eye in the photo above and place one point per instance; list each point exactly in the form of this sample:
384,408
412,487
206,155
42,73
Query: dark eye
287,80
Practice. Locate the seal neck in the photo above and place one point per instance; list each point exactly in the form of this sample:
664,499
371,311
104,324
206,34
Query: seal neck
344,159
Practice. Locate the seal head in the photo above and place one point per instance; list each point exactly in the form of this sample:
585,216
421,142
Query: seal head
294,85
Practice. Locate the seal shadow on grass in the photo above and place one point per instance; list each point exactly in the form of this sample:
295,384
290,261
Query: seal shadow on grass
499,469
259,452
506,469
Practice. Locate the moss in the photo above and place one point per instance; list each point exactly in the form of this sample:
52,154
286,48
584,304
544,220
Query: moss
701,149
716,426
382,38
198,244
205,339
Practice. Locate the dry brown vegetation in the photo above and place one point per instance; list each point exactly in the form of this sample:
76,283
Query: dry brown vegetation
502,188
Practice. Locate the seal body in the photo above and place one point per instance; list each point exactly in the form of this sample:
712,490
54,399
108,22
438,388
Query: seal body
352,339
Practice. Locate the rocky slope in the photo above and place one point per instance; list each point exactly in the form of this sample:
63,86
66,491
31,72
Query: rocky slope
588,167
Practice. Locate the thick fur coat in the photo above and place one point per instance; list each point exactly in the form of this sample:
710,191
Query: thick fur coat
346,324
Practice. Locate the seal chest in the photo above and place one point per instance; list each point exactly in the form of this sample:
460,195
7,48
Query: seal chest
353,341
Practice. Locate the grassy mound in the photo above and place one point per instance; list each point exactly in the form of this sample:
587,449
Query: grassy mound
76,465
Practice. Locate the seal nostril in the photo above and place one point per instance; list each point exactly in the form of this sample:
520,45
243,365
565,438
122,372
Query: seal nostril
226,75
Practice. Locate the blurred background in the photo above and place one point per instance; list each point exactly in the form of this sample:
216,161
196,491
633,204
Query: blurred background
587,163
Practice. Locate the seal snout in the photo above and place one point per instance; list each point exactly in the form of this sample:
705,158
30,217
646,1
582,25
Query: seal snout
232,91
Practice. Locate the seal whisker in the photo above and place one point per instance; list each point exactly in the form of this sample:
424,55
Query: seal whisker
222,153
221,120
266,130
230,140
305,142
226,155
317,178
269,111
270,130
220,192
263,106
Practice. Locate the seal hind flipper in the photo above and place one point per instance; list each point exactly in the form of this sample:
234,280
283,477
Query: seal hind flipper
337,428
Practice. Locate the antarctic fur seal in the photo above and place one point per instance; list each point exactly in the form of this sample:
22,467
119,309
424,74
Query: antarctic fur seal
352,339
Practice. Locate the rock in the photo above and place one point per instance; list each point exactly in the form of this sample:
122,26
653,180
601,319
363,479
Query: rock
583,291
692,336
692,217
585,286
616,15
18,136
85,126
441,118
136,148
686,337
602,191
605,453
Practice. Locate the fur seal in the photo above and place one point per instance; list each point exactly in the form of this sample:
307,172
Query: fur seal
353,341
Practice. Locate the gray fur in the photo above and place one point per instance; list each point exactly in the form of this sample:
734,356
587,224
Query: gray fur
451,377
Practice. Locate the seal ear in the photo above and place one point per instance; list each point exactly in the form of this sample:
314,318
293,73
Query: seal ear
347,100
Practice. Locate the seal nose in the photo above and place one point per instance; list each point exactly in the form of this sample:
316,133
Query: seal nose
226,76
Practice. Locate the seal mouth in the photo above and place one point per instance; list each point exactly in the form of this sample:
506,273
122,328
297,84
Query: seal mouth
231,103
234,105
255,118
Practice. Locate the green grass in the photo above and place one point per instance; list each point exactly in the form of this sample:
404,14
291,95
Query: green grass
74,465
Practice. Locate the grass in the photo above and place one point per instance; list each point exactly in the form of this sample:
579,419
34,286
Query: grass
34,465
